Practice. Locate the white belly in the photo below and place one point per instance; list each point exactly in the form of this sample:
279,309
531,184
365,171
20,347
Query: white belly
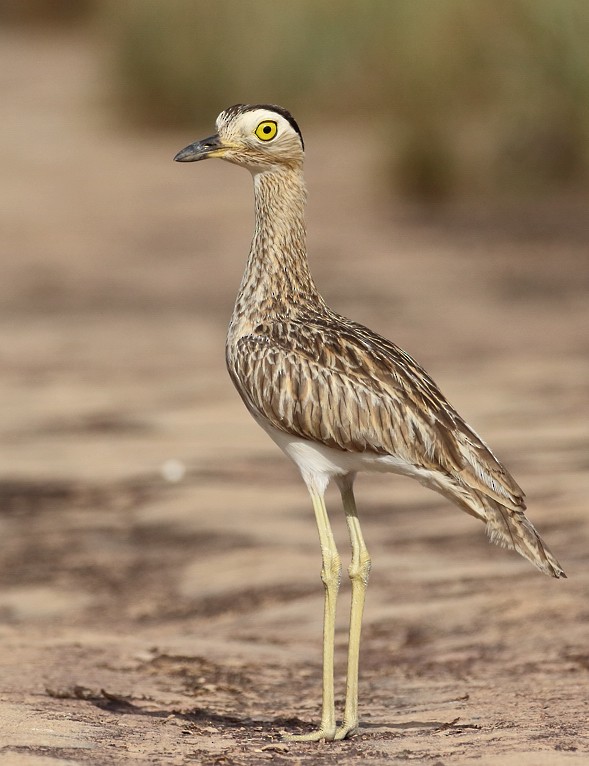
319,464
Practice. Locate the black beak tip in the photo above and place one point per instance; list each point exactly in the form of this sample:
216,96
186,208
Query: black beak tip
199,150
185,155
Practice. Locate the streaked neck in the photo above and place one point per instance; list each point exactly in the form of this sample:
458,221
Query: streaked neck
277,279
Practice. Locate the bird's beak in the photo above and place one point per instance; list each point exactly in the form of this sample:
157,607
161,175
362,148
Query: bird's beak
201,150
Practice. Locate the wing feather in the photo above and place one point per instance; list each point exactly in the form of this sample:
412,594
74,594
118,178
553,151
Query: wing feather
340,384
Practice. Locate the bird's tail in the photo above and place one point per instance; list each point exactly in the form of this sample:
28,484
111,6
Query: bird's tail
512,529
507,526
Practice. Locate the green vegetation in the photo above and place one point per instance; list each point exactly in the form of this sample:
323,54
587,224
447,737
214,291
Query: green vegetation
470,97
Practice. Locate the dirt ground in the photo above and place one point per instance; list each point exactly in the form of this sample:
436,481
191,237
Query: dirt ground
160,599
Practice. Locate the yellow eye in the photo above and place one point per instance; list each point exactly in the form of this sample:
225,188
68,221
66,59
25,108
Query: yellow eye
266,130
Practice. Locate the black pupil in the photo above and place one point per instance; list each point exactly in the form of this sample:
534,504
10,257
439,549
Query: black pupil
267,129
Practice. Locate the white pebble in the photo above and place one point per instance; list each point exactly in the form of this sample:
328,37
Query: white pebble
173,470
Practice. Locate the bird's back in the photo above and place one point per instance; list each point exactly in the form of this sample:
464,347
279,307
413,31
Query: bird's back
327,379
318,377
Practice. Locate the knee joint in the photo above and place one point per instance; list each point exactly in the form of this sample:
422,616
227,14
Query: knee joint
360,570
331,571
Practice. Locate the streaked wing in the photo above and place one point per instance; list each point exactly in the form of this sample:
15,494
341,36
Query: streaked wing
340,384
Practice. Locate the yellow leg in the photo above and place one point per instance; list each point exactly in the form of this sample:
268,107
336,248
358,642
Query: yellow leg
359,572
331,576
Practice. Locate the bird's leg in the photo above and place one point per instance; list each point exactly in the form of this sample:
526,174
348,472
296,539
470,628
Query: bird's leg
331,576
359,571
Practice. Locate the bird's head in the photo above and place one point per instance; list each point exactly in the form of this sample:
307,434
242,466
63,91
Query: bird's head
259,137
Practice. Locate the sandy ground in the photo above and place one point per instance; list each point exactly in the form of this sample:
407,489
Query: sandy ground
146,620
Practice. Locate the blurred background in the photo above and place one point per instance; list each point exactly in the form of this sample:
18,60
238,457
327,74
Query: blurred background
448,171
472,99
464,98
457,116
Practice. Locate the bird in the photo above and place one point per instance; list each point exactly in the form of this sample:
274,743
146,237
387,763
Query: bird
336,397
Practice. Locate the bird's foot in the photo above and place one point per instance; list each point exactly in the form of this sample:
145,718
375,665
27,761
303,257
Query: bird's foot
346,730
327,733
